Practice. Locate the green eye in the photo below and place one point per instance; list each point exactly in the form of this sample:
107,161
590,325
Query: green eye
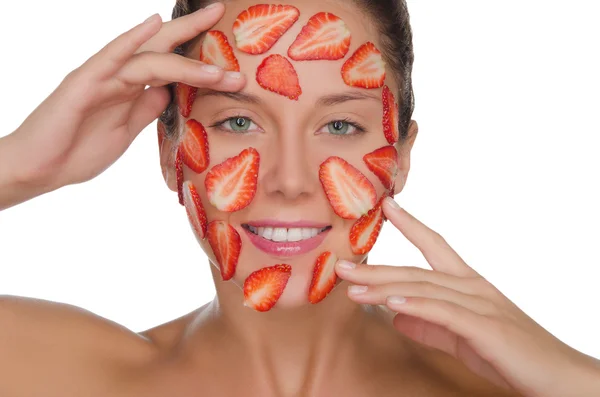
338,127
239,123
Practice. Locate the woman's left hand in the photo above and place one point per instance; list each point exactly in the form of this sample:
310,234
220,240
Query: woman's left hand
454,309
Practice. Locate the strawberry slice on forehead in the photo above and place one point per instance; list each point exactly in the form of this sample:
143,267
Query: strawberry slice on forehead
325,36
365,68
277,74
186,95
349,192
216,50
259,27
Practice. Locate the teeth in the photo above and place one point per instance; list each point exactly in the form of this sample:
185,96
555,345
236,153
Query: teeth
280,234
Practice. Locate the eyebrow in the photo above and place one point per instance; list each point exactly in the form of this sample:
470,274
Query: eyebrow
327,100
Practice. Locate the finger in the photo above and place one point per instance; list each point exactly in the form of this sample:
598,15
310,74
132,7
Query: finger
115,54
157,69
147,108
382,274
434,248
378,294
183,29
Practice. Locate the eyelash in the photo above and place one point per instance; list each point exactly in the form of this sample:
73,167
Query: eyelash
360,129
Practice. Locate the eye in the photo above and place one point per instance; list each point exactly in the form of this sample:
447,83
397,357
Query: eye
237,124
342,127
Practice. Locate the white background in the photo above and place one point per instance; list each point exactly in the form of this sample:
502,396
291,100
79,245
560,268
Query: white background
505,166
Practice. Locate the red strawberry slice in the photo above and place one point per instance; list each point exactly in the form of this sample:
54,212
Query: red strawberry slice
258,28
179,172
365,68
231,185
216,50
263,288
226,245
325,36
194,146
349,192
195,210
390,116
365,231
324,277
383,162
186,95
277,75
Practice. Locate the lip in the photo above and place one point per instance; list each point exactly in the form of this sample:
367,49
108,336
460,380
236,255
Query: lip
288,248
287,225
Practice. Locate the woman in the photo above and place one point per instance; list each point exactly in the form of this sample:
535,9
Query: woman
305,151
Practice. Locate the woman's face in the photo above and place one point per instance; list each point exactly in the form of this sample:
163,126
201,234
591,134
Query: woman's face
293,139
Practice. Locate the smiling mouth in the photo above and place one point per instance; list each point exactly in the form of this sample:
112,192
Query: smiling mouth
285,235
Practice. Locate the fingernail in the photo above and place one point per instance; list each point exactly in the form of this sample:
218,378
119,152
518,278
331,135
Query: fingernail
150,18
213,5
392,203
396,300
233,75
357,289
346,265
211,69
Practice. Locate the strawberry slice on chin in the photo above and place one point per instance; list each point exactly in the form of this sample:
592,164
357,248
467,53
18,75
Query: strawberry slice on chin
231,185
226,245
365,68
277,74
324,277
349,192
263,288
216,50
390,116
194,146
383,162
195,210
259,27
186,95
365,230
325,36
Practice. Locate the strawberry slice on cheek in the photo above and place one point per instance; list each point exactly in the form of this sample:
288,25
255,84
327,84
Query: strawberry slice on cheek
390,116
383,162
195,210
195,146
231,185
226,245
263,288
365,231
349,192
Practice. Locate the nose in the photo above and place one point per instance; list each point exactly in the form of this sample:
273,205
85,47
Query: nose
288,171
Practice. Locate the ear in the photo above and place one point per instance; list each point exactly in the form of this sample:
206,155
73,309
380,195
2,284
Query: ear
404,148
167,154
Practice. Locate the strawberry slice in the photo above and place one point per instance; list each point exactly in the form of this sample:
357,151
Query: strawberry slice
231,185
277,75
365,231
263,287
349,192
194,146
324,277
390,116
216,50
325,36
226,245
186,95
179,172
194,209
365,68
258,28
383,162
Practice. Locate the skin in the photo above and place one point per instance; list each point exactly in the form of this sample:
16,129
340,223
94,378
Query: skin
339,347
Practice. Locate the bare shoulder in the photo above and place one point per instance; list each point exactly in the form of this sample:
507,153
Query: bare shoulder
64,348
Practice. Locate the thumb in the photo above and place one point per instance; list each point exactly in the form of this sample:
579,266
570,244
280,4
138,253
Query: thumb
147,108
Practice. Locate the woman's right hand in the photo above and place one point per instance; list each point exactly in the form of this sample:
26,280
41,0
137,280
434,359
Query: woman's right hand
96,112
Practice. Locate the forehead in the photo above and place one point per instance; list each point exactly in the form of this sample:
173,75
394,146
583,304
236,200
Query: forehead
312,74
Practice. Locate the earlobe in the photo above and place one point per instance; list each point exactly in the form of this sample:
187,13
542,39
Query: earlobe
404,149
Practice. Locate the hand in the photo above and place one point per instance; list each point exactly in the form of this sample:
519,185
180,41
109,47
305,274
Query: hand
93,116
454,309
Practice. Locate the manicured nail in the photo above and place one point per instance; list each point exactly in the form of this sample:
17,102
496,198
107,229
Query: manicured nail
392,203
233,75
151,18
396,300
346,265
357,289
212,69
213,5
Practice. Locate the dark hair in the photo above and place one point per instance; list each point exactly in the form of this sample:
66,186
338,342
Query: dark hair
393,20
